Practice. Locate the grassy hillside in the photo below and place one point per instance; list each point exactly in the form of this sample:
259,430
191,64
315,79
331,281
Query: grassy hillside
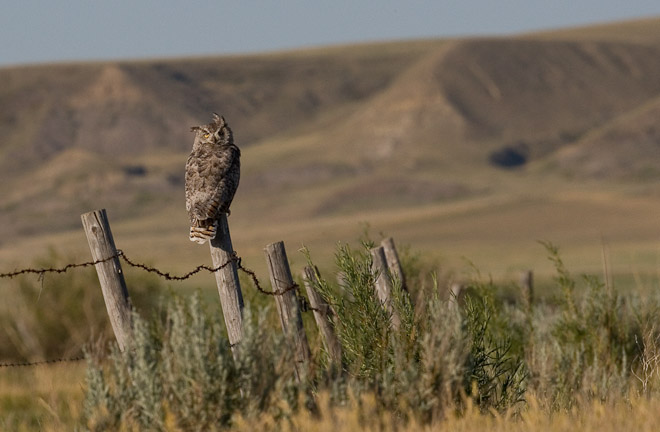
475,148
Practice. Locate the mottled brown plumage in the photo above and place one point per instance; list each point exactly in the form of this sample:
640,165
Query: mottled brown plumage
212,175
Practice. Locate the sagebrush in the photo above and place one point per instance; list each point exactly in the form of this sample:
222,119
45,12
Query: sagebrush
481,350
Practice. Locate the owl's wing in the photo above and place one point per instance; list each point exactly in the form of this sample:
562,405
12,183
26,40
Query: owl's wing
211,181
190,180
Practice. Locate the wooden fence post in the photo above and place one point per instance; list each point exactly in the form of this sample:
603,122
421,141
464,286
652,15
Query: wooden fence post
527,286
111,277
229,288
383,284
322,314
393,263
287,305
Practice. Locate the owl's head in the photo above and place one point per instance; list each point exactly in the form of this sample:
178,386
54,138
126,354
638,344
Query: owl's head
216,132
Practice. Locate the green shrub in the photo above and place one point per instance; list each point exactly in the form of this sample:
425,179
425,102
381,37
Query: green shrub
494,374
436,354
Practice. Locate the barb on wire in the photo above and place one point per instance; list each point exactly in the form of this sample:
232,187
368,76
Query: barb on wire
255,280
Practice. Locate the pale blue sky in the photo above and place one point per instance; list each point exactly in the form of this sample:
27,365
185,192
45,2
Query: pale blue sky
46,31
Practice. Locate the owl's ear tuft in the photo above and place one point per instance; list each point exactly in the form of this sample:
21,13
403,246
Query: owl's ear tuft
219,121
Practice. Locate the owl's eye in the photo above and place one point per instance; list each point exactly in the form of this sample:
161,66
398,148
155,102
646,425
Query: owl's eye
207,135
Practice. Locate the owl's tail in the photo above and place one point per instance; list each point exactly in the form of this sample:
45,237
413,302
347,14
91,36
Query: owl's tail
201,231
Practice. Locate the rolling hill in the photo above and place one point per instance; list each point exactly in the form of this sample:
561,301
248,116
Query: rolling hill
475,147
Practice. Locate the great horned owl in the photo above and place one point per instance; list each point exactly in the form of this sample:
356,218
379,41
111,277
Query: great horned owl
212,174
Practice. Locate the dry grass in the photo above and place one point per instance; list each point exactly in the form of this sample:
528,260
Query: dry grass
47,397
638,414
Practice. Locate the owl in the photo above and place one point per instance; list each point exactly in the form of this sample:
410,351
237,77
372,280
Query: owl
212,175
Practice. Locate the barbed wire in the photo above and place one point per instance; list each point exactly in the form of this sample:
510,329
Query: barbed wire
169,276
234,258
166,275
67,267
42,362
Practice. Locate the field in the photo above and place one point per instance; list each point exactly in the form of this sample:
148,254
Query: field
54,396
470,153
583,352
499,233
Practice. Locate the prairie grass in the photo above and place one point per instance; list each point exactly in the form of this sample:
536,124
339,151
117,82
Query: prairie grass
638,414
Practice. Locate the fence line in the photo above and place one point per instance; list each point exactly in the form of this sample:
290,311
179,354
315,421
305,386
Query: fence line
163,274
117,302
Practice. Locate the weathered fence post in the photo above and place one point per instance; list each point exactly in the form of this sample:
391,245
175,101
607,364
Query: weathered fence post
456,291
287,305
229,288
527,286
393,263
383,284
322,314
111,277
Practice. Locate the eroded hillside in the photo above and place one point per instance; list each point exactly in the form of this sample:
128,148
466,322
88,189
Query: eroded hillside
337,135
